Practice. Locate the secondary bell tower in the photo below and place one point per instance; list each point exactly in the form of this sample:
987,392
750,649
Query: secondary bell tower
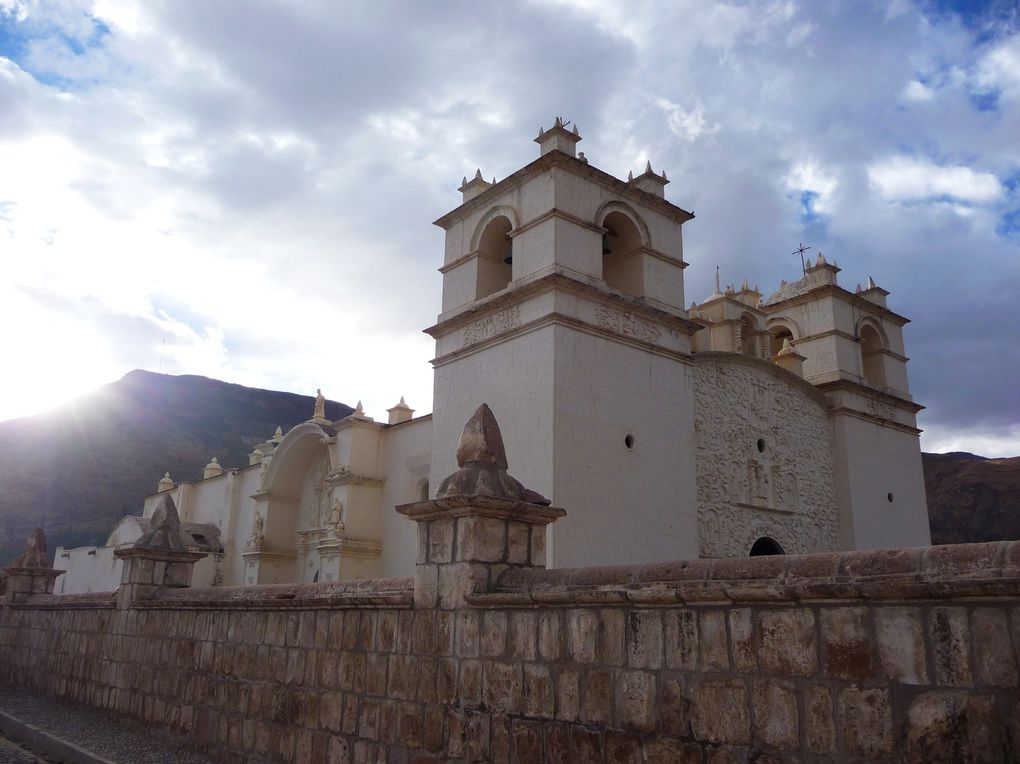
563,309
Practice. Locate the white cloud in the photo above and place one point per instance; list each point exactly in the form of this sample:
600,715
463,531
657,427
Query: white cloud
807,175
687,124
999,68
918,92
907,178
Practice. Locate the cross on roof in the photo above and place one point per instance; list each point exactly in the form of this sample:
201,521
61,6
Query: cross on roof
800,251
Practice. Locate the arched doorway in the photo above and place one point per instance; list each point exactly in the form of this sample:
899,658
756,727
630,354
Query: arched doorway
765,546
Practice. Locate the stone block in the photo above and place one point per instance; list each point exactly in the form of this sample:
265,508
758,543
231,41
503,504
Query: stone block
434,728
446,680
467,634
527,740
786,642
480,539
470,683
611,637
493,633
423,633
585,745
582,627
742,647
901,651
681,639
865,722
719,711
776,720
597,707
502,686
846,643
375,674
994,662
440,543
820,731
635,700
522,635
953,726
550,635
518,551
568,694
557,741
949,640
668,751
403,676
674,714
538,695
623,747
410,725
428,679
644,639
712,641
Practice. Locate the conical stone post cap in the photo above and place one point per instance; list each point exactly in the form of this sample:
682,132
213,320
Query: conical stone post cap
481,457
481,440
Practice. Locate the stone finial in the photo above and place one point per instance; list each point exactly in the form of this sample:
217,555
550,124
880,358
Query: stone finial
718,285
559,138
166,483
255,457
481,457
35,554
278,435
165,531
871,283
400,413
212,469
319,413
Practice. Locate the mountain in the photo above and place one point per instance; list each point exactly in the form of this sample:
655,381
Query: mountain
971,498
80,468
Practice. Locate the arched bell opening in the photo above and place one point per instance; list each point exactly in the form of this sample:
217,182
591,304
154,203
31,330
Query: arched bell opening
495,257
621,239
872,356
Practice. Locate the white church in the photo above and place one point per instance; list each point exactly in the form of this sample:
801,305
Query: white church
739,425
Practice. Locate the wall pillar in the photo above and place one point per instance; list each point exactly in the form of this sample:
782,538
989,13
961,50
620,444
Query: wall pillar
158,560
481,523
31,573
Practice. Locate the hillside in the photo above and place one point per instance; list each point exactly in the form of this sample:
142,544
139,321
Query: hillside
80,468
971,498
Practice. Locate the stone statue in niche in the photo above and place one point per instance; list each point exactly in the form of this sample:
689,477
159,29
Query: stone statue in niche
758,483
258,532
334,524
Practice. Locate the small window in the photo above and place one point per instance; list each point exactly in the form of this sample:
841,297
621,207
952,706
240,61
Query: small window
778,335
760,446
872,357
629,442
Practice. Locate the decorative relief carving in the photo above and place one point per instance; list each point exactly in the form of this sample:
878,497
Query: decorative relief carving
627,324
881,409
492,325
784,490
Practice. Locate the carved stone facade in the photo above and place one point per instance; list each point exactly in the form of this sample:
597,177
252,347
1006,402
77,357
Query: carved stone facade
764,459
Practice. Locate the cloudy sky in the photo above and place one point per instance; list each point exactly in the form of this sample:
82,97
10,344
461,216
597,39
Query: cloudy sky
245,190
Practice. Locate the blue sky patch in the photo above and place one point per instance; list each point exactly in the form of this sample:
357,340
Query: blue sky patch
17,36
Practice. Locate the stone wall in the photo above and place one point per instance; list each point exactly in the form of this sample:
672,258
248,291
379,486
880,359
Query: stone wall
907,655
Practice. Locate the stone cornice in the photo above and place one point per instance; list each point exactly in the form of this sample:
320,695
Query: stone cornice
571,164
481,506
368,593
558,278
892,399
988,570
833,290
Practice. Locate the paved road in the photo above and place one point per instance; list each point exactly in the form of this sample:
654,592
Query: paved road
10,753
101,734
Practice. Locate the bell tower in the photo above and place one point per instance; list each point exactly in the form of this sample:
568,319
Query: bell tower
563,309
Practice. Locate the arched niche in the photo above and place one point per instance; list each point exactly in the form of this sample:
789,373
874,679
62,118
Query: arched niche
624,237
279,499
